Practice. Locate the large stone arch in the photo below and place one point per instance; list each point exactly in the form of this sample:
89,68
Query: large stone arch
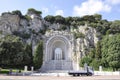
58,41
64,61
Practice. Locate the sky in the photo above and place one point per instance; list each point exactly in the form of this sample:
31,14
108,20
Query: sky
109,9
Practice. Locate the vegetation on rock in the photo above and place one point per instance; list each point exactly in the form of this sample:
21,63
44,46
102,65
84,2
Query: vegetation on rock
16,52
32,10
17,12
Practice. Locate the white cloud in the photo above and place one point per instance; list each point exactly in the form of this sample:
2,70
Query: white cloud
90,7
45,10
113,2
59,12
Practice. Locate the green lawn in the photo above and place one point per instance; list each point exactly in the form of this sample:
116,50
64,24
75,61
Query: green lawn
6,71
107,69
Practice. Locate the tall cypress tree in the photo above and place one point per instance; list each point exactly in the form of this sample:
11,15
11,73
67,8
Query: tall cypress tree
38,56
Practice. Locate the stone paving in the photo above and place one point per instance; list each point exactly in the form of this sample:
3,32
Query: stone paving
3,77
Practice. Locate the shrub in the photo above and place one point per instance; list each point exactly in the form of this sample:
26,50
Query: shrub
27,17
85,59
62,27
17,12
34,11
95,64
79,35
1,31
22,34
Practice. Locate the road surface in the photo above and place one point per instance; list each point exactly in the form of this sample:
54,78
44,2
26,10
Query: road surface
3,77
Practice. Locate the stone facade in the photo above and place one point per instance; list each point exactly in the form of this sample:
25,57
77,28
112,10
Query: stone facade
58,51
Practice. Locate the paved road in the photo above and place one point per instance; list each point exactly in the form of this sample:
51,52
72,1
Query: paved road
2,77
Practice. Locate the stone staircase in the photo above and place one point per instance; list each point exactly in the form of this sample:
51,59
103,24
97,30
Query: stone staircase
57,66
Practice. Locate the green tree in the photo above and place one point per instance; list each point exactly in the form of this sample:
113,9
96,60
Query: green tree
34,11
59,19
76,19
115,27
92,53
95,64
85,59
68,20
38,56
111,51
98,54
13,52
28,57
97,17
50,18
17,12
88,18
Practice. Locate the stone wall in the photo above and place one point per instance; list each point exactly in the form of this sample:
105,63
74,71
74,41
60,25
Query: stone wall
58,39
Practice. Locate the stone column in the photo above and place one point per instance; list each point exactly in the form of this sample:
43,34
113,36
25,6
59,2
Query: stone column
100,68
32,68
25,68
58,54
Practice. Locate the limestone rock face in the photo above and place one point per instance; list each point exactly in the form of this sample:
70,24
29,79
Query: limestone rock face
89,40
54,26
27,30
70,49
9,23
37,24
14,24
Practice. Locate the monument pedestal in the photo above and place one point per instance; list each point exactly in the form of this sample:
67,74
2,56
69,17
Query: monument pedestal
55,65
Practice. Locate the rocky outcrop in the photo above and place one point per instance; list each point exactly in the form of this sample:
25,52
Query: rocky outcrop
9,23
32,29
27,30
84,44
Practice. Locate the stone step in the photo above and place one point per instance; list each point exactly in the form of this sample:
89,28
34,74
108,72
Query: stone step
57,65
58,71
50,74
